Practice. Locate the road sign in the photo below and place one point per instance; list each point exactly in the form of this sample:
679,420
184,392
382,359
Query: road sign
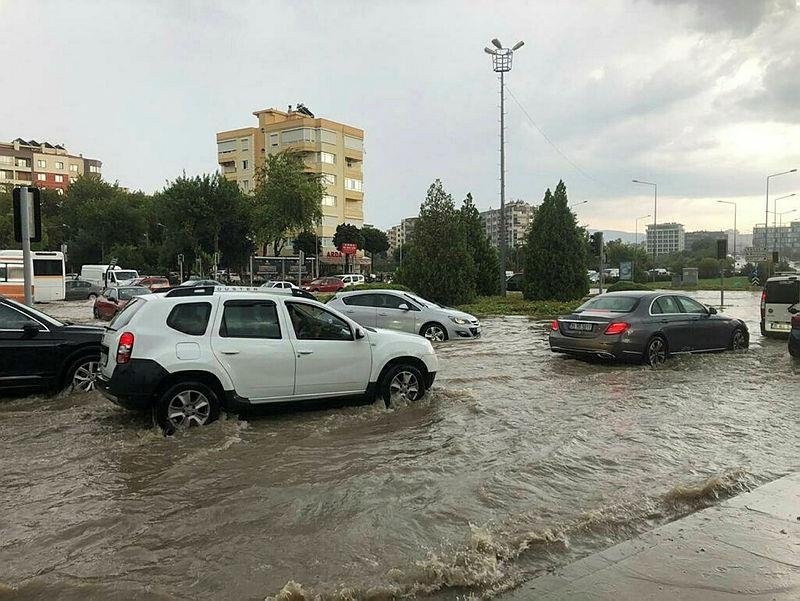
755,281
755,255
722,248
348,248
626,270
34,213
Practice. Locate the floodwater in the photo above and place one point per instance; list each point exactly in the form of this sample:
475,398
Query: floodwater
517,462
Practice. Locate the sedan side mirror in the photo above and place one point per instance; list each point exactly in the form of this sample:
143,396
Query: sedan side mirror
403,307
712,311
360,334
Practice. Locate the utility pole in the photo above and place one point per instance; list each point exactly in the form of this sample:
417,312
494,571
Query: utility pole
27,260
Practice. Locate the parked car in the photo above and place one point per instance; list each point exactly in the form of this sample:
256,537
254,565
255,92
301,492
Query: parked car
352,279
107,276
780,293
278,284
81,290
113,300
38,352
155,283
645,326
328,284
515,282
192,352
190,283
399,310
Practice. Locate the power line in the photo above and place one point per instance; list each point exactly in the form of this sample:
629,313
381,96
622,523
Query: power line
554,145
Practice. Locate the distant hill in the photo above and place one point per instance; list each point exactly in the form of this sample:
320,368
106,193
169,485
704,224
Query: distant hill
627,237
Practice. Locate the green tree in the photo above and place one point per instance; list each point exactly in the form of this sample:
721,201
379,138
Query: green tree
347,233
439,265
484,256
7,221
287,199
555,262
308,242
375,242
617,252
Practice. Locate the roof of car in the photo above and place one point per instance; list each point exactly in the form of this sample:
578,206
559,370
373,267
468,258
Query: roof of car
372,291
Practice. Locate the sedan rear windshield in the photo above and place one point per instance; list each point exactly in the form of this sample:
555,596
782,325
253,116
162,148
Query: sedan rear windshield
610,304
784,292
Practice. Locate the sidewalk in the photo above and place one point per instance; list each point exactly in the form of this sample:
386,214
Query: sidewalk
745,548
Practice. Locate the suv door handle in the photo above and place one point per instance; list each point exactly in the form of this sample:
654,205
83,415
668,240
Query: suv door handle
304,353
383,314
229,352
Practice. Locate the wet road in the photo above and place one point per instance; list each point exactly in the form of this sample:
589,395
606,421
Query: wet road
517,462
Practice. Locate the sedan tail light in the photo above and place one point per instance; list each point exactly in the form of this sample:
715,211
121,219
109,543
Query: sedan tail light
554,325
125,347
617,327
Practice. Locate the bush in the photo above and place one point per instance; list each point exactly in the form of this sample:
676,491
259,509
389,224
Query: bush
624,285
379,286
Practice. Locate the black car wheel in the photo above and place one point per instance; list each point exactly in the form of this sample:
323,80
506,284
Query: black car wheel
82,374
402,383
435,332
656,352
186,404
738,340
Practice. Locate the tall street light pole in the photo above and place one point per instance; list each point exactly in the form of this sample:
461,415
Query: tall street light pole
775,215
501,63
735,209
766,209
780,231
655,215
638,219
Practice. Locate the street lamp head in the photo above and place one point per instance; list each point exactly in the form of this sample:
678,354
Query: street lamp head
792,170
518,45
497,44
489,51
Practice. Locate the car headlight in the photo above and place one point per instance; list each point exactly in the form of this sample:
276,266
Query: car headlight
459,320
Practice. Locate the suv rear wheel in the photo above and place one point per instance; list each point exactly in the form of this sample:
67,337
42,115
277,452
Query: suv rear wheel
401,383
186,404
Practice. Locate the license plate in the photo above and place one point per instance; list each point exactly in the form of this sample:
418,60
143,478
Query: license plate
780,326
580,327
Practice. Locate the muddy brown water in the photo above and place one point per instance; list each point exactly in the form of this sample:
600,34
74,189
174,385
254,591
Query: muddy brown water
517,462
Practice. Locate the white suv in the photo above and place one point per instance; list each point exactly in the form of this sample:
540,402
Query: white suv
192,351
352,279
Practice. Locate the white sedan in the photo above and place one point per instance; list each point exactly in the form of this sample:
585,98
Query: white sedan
279,284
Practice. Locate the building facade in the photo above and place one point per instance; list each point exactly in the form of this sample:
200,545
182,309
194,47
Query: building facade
785,238
41,164
666,238
395,240
519,215
333,150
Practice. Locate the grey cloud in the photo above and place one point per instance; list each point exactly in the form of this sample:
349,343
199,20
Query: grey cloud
738,17
778,98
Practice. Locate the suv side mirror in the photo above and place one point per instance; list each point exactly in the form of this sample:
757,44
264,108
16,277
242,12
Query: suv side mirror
712,311
30,329
403,307
360,334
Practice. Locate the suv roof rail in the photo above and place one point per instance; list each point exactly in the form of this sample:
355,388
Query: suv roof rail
190,291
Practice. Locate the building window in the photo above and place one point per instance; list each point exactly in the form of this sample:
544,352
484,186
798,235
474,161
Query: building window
327,157
244,165
41,164
226,146
353,184
329,179
273,139
41,177
327,136
353,143
4,174
328,201
245,144
246,185
59,165
6,160
73,168
60,191
59,179
72,180
94,169
23,163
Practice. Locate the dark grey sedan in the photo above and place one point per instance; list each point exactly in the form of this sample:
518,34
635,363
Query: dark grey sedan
645,326
80,290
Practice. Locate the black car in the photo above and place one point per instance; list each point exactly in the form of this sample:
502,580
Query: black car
645,326
38,352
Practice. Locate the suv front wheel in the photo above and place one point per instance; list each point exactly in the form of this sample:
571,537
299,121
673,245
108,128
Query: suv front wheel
401,383
186,404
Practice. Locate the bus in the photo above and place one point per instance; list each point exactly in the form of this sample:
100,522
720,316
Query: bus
48,275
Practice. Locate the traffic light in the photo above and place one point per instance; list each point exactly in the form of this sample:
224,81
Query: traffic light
596,243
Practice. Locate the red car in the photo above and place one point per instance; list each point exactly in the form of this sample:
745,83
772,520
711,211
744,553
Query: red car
324,285
114,299
155,283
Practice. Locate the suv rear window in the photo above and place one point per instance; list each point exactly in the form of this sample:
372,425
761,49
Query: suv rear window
124,317
190,318
784,292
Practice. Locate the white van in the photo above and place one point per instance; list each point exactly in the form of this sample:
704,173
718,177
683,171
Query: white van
780,293
351,279
106,276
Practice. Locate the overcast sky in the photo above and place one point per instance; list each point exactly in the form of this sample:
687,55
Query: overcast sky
700,96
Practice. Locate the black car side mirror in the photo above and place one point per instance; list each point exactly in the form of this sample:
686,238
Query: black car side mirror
30,330
712,311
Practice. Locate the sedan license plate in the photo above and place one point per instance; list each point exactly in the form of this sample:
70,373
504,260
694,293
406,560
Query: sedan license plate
776,325
580,327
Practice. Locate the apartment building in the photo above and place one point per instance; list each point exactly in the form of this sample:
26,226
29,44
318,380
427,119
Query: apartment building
394,234
665,238
333,150
785,238
519,215
42,164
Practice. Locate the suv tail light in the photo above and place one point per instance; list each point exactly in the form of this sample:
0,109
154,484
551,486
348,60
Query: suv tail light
617,327
554,325
125,347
